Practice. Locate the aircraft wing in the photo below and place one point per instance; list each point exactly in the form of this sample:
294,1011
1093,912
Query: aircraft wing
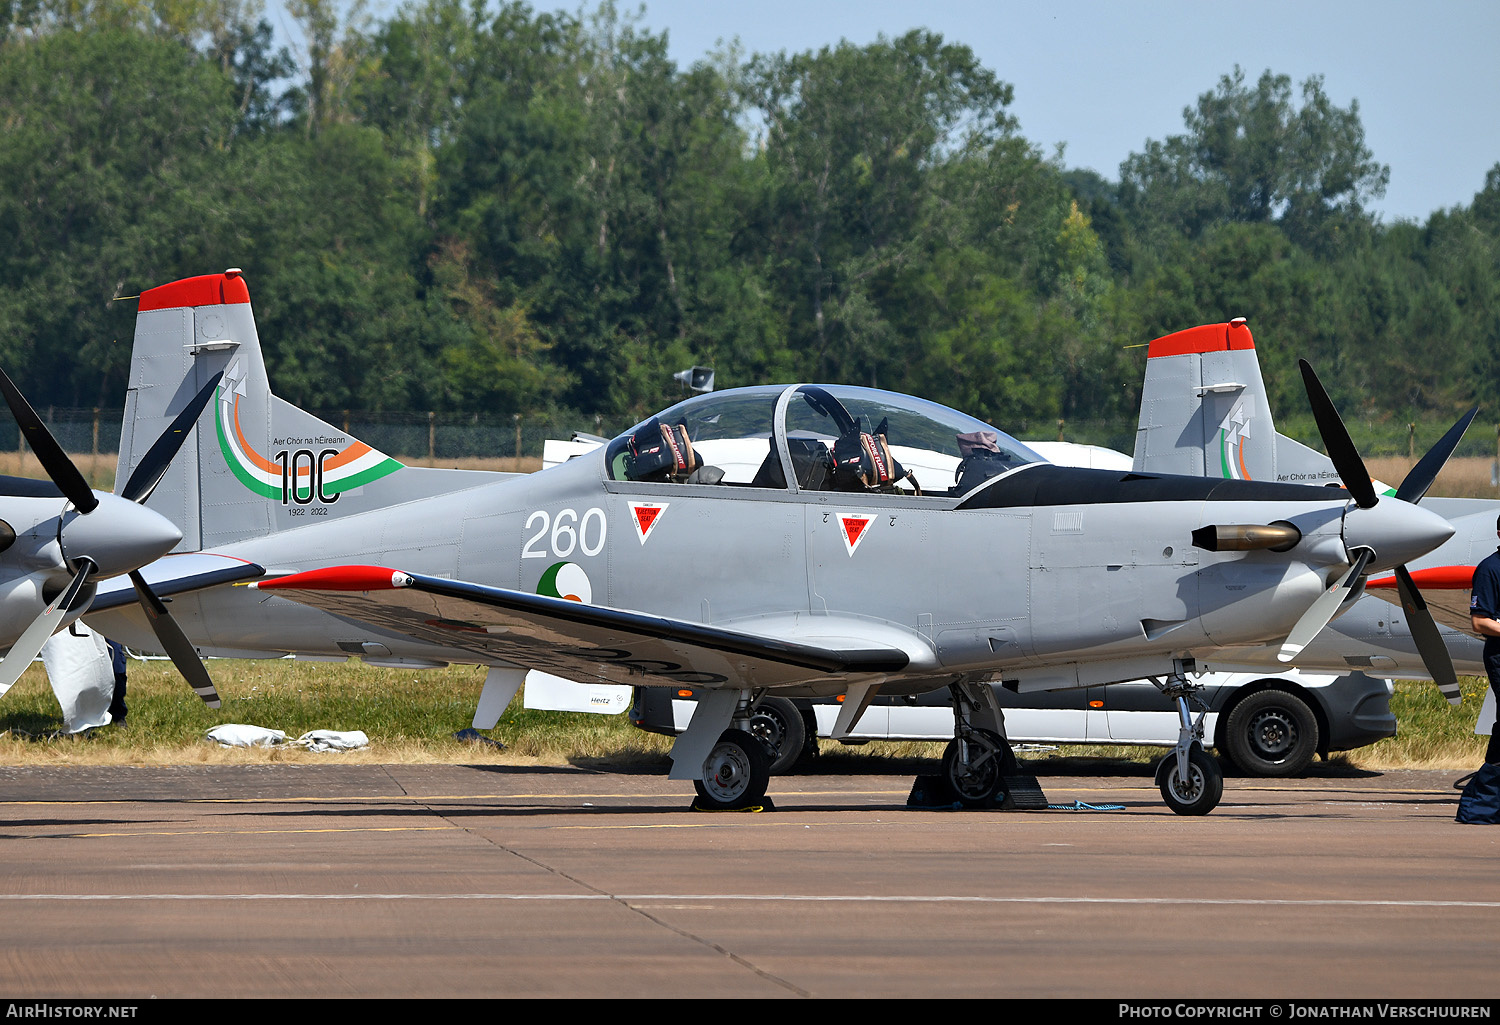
573,640
1446,590
175,574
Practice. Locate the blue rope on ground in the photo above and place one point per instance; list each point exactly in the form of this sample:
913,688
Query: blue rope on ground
1080,806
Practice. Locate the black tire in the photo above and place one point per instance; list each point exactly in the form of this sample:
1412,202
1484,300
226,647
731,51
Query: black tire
735,773
1203,789
981,784
778,724
1271,733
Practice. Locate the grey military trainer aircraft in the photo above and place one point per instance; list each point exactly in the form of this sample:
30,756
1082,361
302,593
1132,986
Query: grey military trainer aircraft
800,539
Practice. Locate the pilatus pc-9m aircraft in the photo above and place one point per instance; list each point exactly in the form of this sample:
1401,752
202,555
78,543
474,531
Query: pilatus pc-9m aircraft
799,539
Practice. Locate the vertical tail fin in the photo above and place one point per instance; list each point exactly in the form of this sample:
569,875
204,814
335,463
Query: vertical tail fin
257,464
1204,412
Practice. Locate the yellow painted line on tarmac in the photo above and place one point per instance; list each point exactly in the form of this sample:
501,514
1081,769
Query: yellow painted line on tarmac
251,832
658,825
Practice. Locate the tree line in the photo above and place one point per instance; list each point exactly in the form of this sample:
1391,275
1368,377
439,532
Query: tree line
479,208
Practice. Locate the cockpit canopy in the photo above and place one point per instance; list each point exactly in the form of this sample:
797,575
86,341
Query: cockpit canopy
816,438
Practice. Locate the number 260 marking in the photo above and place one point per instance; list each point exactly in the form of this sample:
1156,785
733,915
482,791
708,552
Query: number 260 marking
565,532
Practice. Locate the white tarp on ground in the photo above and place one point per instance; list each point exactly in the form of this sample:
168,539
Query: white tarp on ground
243,735
235,734
82,676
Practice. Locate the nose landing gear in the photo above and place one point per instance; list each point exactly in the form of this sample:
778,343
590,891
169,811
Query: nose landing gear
1190,779
977,760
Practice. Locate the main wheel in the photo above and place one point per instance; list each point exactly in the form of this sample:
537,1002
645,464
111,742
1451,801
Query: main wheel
1197,795
981,781
1272,733
777,723
736,772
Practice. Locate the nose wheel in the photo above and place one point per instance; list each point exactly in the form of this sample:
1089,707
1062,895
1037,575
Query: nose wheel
1191,781
975,765
1196,792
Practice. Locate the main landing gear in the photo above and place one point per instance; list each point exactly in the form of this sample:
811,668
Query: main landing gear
730,765
735,773
1190,779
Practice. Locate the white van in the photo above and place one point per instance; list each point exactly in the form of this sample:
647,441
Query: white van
1266,725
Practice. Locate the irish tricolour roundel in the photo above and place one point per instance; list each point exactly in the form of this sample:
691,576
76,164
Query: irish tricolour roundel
566,580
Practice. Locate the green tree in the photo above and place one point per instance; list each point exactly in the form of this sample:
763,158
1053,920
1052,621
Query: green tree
117,174
852,137
1252,156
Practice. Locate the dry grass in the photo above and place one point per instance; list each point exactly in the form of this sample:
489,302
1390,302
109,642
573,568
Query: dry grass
410,717
1461,478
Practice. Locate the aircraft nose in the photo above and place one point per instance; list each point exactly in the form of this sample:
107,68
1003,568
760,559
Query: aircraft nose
1399,532
118,536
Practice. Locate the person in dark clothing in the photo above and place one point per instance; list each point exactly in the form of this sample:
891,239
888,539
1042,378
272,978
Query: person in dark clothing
1484,614
117,703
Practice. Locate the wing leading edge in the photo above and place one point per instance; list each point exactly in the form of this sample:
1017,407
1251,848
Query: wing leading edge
567,638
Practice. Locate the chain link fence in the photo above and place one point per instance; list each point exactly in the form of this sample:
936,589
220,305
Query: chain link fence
438,436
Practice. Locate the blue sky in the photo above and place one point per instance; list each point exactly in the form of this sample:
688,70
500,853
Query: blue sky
1103,77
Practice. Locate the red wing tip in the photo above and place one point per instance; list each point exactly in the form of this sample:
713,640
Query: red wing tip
1208,338
338,578
1437,578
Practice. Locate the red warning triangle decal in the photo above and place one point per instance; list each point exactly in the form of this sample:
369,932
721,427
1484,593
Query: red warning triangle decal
854,529
645,516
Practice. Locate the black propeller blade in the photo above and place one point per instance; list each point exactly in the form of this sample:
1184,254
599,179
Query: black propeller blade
174,642
1356,480
1425,472
1424,631
53,459
1336,440
153,465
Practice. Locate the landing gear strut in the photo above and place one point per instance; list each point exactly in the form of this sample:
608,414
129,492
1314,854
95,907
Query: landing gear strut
977,760
1190,779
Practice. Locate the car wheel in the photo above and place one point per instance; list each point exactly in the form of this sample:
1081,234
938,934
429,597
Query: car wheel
777,723
1272,733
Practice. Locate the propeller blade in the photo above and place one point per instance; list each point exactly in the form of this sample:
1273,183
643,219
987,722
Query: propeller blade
1321,611
53,459
29,645
174,642
1424,631
153,465
1422,475
1336,441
